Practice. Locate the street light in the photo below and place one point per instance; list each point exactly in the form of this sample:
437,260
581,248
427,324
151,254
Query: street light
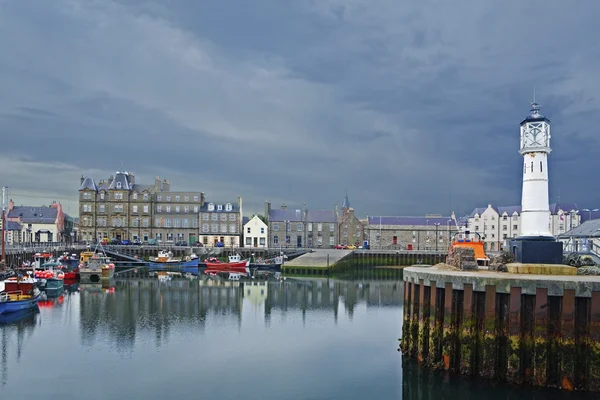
437,224
287,240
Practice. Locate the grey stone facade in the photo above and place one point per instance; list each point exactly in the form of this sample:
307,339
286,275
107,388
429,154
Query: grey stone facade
301,228
410,233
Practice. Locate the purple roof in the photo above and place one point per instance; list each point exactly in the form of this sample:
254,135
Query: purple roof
510,210
34,215
408,221
13,226
320,216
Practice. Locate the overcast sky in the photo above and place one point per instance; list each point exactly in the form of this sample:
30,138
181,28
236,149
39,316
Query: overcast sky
411,106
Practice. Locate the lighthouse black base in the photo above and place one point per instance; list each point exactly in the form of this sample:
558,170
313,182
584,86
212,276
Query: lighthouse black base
537,250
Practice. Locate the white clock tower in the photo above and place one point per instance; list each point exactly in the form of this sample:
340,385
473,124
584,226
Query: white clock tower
535,147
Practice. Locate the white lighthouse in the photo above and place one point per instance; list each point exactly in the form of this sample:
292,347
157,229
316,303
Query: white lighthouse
535,147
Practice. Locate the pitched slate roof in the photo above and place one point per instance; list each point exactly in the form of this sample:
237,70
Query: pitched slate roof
89,184
297,216
478,210
245,220
566,207
123,179
510,210
34,215
587,229
409,221
13,226
320,216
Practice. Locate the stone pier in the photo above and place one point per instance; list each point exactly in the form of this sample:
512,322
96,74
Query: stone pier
541,330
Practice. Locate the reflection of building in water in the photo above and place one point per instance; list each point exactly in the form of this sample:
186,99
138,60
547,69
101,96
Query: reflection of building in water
13,336
256,292
147,304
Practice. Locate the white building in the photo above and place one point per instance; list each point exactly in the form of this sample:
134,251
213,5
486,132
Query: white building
497,224
255,233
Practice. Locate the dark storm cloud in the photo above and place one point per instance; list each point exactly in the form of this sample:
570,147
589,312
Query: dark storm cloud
413,107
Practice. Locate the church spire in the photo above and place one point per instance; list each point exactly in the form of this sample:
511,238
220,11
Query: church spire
346,203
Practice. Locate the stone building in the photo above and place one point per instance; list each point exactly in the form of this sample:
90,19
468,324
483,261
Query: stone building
119,208
498,224
301,228
221,224
431,232
43,224
350,228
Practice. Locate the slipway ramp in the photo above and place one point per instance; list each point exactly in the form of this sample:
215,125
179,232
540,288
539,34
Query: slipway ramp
321,258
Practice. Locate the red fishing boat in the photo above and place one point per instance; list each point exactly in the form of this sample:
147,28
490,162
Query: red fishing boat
234,264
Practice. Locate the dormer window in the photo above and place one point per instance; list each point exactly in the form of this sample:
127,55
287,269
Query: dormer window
101,195
135,196
220,207
228,207
118,185
211,207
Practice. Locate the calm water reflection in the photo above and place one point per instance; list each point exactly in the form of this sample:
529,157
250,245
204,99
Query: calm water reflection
141,339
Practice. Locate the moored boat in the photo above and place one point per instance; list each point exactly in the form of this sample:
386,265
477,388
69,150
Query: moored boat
234,264
18,300
54,287
270,264
95,267
166,261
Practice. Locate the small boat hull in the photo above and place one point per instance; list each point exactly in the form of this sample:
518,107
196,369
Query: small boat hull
54,287
266,267
7,307
173,264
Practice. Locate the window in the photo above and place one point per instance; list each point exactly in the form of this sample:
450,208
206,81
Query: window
205,217
331,227
331,240
146,222
223,217
119,196
205,228
541,169
515,217
248,241
214,228
177,198
167,222
275,226
186,209
195,209
214,217
159,198
476,228
309,227
146,196
493,236
186,198
504,236
232,228
319,227
248,230
195,198
168,209
275,239
135,196
228,207
287,239
134,222
177,222
159,208
145,209
194,223
101,208
232,217
220,207
504,217
319,240
493,226
262,230
177,209
157,222
118,207
515,227
300,227
504,227
211,207
168,198
261,241
135,209
532,166
223,228
119,185
395,240
169,237
101,195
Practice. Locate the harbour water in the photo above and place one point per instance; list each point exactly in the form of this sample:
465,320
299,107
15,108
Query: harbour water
298,339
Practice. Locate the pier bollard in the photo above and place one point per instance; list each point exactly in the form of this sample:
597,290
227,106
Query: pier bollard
489,344
540,337
514,338
467,330
449,335
566,340
424,307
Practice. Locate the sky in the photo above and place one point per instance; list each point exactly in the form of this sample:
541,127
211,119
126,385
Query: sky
411,107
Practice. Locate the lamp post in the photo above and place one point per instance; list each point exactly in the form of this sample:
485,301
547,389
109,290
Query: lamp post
590,211
437,224
287,242
448,226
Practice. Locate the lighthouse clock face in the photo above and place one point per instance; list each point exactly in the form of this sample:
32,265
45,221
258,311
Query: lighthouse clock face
535,134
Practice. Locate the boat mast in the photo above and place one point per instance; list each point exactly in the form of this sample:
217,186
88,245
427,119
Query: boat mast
4,192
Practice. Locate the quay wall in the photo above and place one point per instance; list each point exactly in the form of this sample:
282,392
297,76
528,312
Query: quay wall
536,330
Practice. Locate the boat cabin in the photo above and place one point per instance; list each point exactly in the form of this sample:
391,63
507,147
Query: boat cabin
235,258
473,240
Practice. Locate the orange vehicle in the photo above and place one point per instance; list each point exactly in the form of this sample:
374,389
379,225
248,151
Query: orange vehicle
471,240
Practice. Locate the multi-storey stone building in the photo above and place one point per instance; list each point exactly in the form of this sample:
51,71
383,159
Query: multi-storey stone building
431,232
350,229
301,228
221,224
119,208
498,224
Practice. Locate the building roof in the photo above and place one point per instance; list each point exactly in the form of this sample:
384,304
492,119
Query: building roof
587,229
234,207
320,216
13,226
34,215
510,210
409,221
245,220
121,178
89,184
